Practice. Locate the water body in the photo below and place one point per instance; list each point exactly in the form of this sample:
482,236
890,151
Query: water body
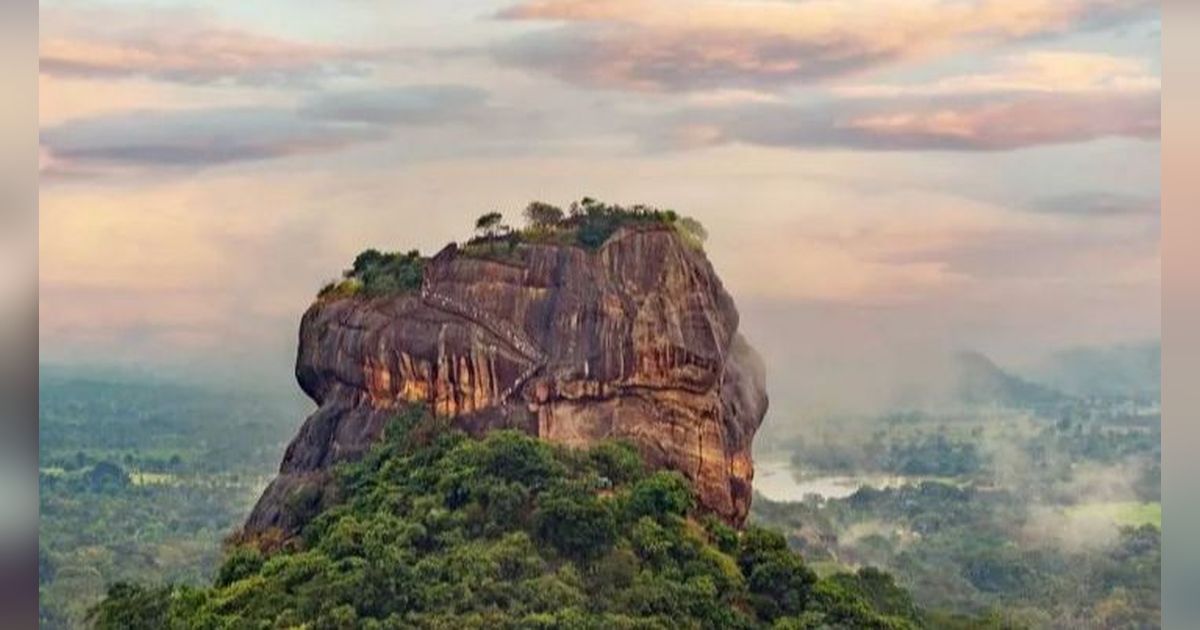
776,480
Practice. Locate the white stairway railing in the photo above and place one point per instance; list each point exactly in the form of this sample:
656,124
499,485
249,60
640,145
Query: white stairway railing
496,326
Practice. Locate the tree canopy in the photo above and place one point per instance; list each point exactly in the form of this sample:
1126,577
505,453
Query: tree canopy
541,214
489,224
434,529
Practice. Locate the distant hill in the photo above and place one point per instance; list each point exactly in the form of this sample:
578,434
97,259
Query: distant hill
978,380
1127,371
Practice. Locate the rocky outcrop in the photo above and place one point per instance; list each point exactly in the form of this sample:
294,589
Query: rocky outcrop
636,339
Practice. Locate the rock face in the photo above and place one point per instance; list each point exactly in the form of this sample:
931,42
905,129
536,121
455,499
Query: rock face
635,340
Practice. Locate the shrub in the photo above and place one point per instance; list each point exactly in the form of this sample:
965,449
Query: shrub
344,288
692,232
242,561
575,522
663,494
132,607
722,535
617,462
780,584
375,274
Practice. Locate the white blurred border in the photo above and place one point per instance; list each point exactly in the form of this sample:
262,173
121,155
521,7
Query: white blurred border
18,314
1181,315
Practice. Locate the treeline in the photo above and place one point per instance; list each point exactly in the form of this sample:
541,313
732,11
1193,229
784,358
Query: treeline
161,427
587,223
921,454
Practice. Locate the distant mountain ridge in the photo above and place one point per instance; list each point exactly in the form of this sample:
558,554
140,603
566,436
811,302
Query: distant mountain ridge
1124,371
978,380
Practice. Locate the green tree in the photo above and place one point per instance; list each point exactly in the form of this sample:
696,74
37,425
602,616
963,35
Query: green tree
367,260
617,462
663,494
133,607
106,476
543,215
241,562
575,522
490,225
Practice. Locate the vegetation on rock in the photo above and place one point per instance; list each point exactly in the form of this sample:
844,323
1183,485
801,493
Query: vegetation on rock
588,223
375,273
434,529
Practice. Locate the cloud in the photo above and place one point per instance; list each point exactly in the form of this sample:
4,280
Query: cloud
1037,72
185,47
197,137
958,124
1064,254
1037,98
421,104
661,45
1099,204
1008,125
208,137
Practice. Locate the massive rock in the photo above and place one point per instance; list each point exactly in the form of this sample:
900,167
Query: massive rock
636,339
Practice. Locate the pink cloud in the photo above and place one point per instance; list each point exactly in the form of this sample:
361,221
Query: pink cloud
184,47
967,122
1009,125
1037,72
669,44
1036,98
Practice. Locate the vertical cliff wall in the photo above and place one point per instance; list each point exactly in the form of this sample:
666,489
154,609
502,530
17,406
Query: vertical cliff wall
636,339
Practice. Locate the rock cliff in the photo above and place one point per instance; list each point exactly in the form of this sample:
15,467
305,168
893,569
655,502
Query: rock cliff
636,339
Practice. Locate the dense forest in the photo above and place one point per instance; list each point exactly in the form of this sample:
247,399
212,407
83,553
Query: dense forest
972,550
142,478
1045,513
433,529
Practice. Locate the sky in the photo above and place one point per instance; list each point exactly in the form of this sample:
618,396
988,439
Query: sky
882,180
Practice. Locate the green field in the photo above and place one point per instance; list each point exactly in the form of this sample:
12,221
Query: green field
1123,513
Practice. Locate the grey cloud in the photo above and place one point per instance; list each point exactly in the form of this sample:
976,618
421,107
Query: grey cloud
209,137
264,74
421,104
1098,204
197,137
1084,257
619,58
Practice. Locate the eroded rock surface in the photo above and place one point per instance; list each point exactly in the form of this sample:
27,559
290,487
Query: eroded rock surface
636,340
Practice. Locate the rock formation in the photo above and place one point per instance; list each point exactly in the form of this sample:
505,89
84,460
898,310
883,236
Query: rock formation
636,339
